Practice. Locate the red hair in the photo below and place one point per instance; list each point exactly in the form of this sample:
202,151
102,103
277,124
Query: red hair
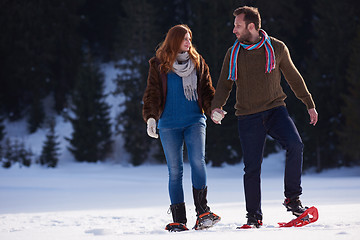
169,48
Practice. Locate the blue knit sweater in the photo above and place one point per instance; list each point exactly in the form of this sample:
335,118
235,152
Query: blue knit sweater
179,112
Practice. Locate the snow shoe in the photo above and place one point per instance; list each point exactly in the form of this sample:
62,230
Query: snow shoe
310,215
176,227
206,220
253,221
179,217
294,205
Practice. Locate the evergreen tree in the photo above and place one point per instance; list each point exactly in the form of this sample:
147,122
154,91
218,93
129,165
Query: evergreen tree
2,159
24,156
40,50
91,140
15,152
36,115
135,50
2,135
65,48
333,24
2,129
15,157
49,154
350,132
98,26
8,154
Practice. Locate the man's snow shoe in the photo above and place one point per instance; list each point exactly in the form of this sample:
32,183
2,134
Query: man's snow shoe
254,221
176,227
206,220
294,205
310,215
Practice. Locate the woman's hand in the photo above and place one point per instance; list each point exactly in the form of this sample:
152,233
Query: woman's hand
151,128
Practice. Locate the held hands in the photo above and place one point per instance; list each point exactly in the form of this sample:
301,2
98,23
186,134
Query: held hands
151,128
313,116
217,115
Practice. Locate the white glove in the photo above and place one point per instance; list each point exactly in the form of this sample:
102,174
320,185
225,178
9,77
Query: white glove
218,115
151,128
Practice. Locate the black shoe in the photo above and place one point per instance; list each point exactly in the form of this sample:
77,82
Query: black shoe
294,205
254,221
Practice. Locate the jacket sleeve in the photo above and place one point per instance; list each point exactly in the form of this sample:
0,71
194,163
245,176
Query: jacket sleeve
152,94
207,89
294,78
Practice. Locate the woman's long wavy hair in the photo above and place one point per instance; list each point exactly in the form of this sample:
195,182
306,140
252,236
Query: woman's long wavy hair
169,48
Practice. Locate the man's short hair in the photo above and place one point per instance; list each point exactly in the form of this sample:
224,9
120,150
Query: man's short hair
251,15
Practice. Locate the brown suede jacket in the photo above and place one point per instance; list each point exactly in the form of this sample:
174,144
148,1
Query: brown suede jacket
155,93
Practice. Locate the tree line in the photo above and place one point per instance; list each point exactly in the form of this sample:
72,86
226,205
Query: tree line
55,48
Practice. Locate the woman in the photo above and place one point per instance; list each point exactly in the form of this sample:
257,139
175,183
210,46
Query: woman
179,90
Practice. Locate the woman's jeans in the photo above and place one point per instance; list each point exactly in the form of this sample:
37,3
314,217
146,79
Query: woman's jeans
252,132
172,140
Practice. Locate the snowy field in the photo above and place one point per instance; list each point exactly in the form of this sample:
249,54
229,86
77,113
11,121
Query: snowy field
116,201
106,201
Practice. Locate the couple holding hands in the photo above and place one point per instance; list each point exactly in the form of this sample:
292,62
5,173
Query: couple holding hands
179,93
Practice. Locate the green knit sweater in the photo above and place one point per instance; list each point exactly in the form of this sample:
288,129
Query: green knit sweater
257,91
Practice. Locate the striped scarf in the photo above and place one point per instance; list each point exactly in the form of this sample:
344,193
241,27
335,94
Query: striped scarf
270,55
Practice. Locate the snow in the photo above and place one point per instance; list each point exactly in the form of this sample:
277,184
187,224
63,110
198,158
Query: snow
112,201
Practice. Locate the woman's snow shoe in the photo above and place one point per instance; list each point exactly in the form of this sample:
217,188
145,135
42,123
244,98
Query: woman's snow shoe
176,227
179,217
205,218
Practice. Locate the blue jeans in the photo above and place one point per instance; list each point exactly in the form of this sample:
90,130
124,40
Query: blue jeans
172,140
253,129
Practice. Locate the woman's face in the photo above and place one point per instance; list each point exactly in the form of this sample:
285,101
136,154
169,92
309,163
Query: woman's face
186,43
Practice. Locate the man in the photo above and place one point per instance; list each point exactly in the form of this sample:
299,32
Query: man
255,63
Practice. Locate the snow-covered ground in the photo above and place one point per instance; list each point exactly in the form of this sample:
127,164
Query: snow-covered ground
113,201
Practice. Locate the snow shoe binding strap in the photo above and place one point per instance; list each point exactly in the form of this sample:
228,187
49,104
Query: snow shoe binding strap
309,216
257,224
294,206
176,227
253,221
206,220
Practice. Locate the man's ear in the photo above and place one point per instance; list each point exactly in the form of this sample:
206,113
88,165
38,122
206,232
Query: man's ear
251,26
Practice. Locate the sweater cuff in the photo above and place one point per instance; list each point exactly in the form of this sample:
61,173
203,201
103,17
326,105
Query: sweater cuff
308,101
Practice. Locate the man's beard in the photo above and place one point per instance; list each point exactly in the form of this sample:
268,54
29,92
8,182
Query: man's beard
245,38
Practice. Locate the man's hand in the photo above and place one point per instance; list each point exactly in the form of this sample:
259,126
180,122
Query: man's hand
151,128
313,116
217,115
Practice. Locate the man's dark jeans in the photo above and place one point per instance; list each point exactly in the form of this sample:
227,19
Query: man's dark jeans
253,129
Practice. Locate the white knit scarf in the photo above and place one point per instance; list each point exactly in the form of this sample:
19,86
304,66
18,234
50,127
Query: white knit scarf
185,68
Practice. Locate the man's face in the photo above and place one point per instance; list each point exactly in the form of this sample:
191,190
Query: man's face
240,29
186,43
